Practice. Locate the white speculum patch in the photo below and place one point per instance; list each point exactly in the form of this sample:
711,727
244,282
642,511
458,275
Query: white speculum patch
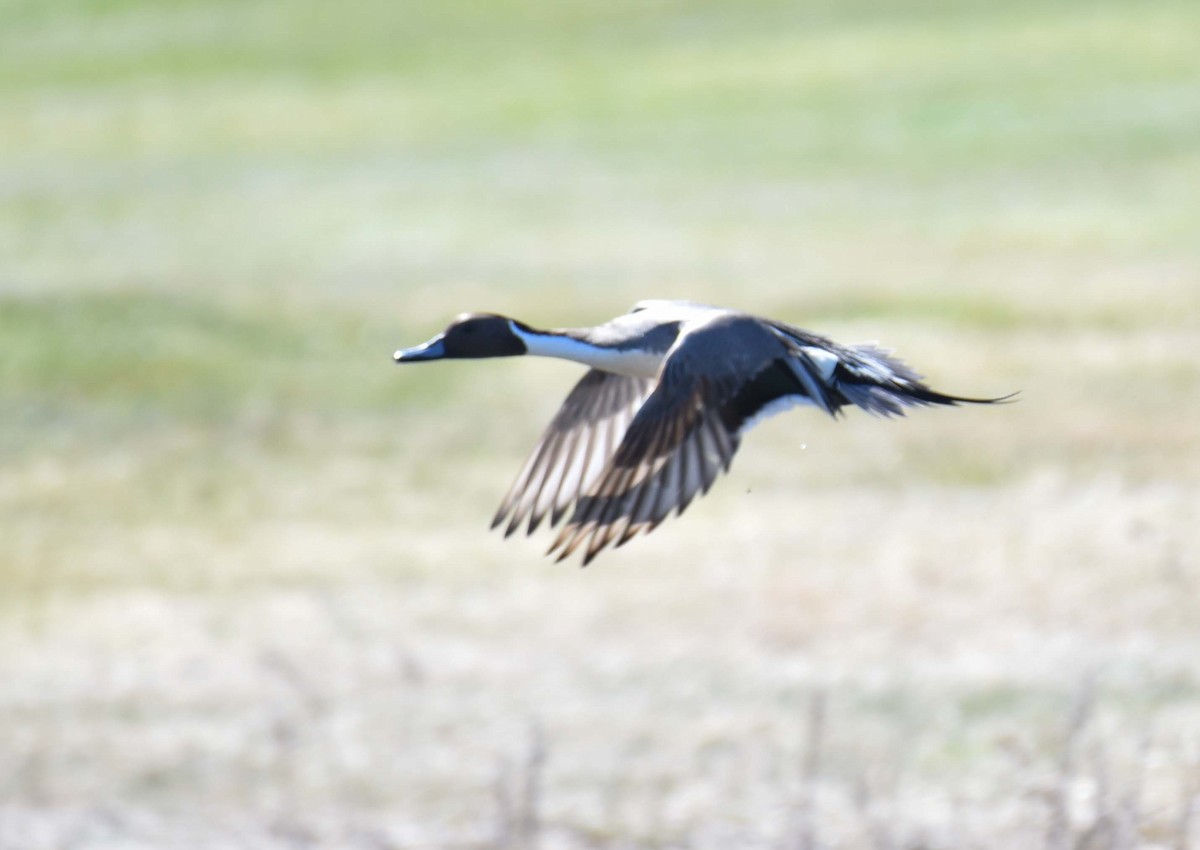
825,361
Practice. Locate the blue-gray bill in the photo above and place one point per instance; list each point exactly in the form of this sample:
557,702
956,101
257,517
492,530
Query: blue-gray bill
435,349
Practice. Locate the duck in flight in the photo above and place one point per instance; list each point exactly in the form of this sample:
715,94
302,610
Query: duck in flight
672,387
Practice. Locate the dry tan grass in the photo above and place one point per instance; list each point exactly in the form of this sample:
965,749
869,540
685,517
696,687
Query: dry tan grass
355,666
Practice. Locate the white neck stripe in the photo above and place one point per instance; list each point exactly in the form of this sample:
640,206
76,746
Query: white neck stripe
632,361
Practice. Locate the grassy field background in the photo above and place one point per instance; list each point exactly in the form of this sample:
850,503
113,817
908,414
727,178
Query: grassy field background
247,595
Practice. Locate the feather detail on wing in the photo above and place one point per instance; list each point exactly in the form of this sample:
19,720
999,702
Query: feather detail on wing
674,449
628,452
685,433
573,450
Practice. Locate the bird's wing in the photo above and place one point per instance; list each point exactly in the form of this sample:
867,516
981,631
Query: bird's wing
574,448
717,381
674,448
682,437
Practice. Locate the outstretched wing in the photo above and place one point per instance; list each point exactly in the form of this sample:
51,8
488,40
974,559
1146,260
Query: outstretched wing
674,448
721,377
685,434
573,449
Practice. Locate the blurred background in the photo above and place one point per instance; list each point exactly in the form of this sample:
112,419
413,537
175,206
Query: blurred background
247,593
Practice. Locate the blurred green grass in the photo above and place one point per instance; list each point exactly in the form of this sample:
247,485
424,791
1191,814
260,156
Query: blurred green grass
219,215
190,357
452,127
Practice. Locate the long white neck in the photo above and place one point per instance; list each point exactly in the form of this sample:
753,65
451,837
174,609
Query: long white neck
624,361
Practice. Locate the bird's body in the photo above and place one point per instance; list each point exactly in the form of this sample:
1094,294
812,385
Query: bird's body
672,387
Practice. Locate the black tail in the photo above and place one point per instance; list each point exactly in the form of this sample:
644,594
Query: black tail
872,379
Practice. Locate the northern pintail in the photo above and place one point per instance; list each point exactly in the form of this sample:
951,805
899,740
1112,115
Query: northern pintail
671,389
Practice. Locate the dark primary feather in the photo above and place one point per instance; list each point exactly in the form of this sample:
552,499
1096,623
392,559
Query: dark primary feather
574,448
674,449
682,437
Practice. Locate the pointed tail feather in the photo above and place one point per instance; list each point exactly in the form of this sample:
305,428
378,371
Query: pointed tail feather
891,399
